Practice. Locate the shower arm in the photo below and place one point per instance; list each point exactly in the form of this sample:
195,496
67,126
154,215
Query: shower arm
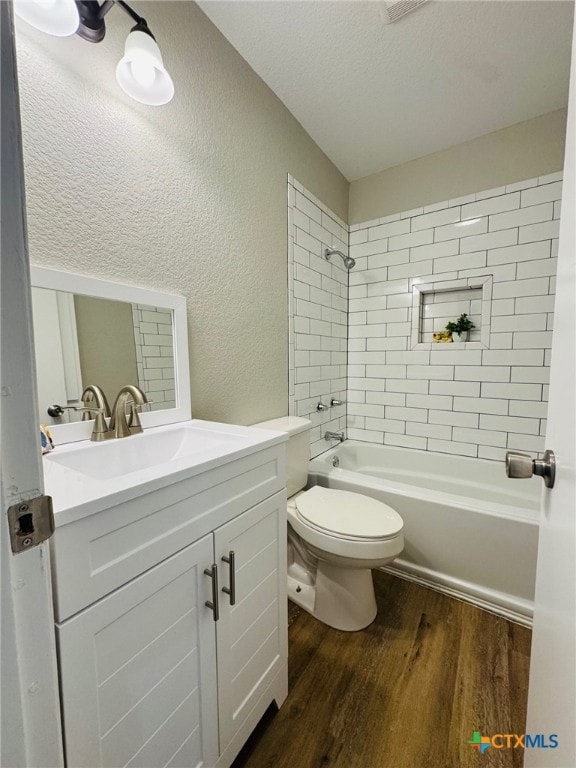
348,261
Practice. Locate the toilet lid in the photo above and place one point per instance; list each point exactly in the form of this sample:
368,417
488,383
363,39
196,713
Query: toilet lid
347,514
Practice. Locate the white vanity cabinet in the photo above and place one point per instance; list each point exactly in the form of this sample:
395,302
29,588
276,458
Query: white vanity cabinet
149,678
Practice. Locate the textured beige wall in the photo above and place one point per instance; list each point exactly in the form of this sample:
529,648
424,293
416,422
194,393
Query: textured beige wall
189,198
106,343
522,151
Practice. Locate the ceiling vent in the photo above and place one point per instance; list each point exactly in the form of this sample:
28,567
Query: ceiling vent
396,9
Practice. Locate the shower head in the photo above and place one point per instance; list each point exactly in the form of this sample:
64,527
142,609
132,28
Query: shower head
349,262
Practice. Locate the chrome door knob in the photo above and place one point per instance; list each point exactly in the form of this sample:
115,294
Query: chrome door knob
522,465
519,465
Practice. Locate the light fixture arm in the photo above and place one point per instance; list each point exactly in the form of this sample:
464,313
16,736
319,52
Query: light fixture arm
141,23
130,11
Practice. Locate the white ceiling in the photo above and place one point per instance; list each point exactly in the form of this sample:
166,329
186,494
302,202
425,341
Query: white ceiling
373,95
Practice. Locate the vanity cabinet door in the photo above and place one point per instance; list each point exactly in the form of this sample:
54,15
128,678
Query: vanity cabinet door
138,671
252,634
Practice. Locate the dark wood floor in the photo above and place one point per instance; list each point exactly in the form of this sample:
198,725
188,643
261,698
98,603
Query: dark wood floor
407,692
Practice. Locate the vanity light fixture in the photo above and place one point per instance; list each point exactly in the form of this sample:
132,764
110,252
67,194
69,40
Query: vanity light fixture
140,73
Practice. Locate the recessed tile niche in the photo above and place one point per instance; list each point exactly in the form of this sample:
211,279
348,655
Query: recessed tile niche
436,303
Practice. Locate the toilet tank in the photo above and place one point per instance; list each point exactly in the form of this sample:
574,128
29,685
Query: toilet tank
297,449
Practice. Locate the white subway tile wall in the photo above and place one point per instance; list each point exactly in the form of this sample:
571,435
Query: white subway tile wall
155,354
471,402
318,314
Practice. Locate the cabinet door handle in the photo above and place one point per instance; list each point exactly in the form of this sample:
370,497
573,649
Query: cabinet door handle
213,604
231,590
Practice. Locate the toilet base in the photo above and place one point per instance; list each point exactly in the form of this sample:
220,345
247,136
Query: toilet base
303,595
342,598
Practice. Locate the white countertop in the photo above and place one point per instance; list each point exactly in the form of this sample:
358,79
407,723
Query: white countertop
86,477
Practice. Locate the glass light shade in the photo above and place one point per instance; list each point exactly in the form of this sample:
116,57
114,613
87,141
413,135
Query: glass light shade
141,72
56,17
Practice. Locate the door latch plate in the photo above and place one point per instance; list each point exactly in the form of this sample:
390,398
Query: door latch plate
31,522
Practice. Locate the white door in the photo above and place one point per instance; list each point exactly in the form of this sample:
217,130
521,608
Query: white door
30,733
251,631
552,689
138,670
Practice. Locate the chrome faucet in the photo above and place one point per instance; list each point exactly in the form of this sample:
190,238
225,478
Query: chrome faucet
129,395
335,436
94,393
134,397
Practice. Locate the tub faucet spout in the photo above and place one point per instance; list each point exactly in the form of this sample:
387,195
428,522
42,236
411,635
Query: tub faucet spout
335,436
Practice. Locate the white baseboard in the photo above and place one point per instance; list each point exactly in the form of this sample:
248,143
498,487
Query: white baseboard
510,607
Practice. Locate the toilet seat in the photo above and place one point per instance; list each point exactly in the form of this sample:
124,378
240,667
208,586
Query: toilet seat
347,515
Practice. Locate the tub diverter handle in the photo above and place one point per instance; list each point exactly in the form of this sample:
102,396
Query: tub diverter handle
522,465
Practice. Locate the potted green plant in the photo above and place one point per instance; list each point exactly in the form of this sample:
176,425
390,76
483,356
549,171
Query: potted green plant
461,327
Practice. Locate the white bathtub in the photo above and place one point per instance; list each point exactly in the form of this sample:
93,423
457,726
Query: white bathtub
469,530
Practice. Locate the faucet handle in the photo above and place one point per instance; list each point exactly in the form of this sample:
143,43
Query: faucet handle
134,416
100,430
134,404
58,410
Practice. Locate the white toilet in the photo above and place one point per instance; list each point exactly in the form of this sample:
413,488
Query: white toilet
335,538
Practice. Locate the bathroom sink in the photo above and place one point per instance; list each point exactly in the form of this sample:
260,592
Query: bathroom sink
79,475
118,457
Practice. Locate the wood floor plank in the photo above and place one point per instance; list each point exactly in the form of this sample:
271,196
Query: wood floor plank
407,692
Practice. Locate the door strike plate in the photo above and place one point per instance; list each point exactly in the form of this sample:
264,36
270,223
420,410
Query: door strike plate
31,522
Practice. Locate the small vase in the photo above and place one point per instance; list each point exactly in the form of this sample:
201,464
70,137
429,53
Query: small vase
464,336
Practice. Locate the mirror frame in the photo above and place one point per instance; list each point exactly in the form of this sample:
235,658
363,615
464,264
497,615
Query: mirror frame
69,282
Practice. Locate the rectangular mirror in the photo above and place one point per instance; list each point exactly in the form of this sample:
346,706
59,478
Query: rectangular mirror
89,331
